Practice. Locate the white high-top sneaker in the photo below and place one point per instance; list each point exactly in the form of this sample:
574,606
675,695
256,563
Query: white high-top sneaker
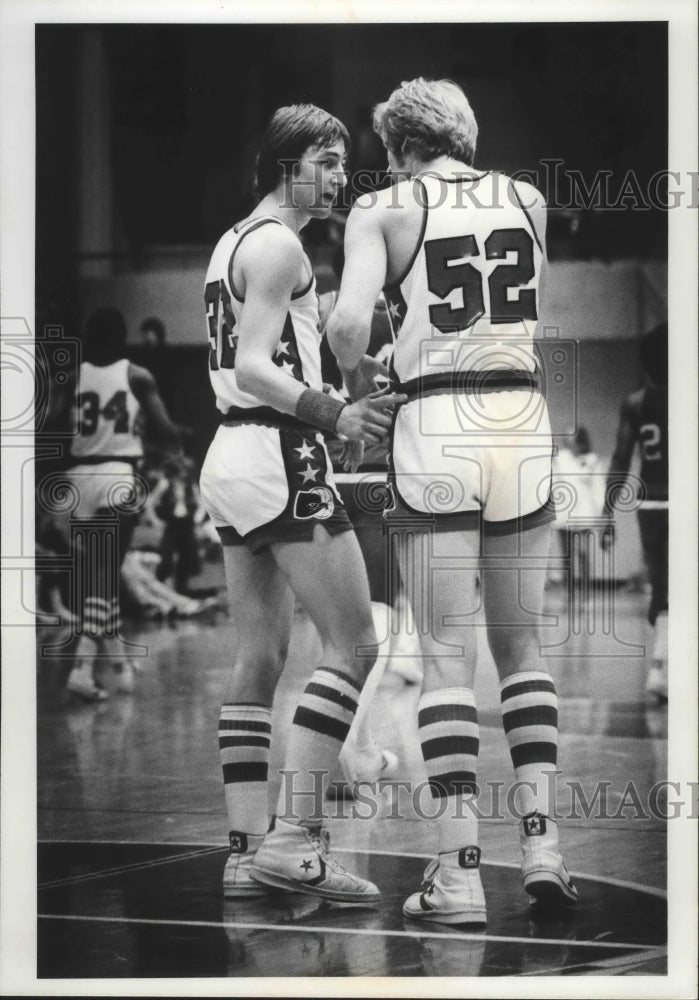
451,891
237,883
546,878
298,859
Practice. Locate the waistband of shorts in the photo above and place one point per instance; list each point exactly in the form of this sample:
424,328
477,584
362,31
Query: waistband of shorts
471,382
264,416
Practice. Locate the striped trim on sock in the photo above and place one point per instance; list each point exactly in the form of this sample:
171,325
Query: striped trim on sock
328,704
244,739
96,616
448,727
530,717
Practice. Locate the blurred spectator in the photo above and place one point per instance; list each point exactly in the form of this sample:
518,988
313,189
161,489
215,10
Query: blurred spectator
176,502
579,477
153,335
155,355
52,586
145,595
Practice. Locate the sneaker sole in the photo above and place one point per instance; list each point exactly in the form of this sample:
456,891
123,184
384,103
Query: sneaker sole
247,892
457,917
548,890
294,885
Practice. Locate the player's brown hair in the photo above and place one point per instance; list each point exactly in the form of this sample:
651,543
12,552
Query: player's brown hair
290,133
428,118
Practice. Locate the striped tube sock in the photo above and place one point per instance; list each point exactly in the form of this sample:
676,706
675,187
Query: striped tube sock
244,737
448,727
96,616
321,723
530,719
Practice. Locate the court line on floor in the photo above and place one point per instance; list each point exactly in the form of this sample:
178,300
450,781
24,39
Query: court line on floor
123,869
604,879
604,966
362,931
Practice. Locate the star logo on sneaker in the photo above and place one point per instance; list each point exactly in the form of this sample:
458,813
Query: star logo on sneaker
306,865
470,857
238,842
534,826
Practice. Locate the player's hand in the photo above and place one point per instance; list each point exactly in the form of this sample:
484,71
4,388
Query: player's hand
362,380
370,418
352,455
607,538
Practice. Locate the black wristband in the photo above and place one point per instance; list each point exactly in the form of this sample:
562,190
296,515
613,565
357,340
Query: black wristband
319,410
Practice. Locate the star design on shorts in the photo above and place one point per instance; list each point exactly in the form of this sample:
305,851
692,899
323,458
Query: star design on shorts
306,451
306,865
282,348
394,310
472,855
309,474
287,368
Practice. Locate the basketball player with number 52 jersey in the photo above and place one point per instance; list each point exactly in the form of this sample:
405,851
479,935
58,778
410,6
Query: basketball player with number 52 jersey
459,253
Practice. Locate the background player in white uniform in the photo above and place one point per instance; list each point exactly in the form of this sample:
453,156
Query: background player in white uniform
267,484
111,404
643,423
460,252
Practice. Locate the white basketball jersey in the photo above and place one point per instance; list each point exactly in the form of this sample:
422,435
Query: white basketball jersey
105,415
469,301
298,350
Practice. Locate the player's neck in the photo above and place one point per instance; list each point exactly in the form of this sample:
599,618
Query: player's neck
275,204
442,166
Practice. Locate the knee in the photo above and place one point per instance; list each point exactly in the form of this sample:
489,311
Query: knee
265,662
442,672
255,675
512,648
356,652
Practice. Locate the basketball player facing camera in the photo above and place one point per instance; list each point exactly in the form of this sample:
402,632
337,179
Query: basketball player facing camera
459,253
268,486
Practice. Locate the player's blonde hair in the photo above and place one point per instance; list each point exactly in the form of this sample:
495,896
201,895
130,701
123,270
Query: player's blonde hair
428,118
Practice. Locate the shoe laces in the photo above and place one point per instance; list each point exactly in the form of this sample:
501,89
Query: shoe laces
321,842
429,874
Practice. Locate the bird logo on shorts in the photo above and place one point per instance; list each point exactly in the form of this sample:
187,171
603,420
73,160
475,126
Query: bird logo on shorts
317,502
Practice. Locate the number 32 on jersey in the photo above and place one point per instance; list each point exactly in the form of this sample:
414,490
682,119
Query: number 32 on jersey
223,342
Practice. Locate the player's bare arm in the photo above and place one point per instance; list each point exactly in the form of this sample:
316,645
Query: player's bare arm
618,467
58,417
272,265
159,427
623,452
363,277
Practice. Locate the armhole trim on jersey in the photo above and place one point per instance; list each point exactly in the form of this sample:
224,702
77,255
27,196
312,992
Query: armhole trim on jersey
309,286
418,246
257,224
526,212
